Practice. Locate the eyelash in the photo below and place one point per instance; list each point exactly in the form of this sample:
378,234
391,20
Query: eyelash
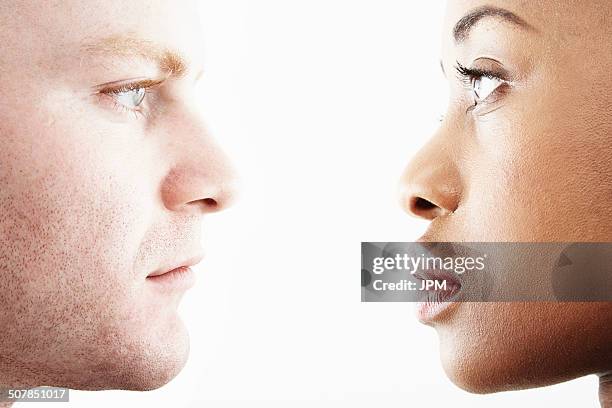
468,75
109,92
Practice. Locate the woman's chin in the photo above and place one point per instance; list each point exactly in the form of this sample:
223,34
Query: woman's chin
486,366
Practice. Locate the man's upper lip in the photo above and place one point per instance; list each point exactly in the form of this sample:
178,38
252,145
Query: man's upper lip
187,262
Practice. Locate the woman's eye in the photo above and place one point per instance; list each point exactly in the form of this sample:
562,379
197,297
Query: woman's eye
130,98
481,83
483,86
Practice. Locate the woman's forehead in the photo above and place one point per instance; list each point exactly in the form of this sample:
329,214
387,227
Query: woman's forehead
561,17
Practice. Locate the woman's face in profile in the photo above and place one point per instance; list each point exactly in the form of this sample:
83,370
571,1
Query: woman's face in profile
522,154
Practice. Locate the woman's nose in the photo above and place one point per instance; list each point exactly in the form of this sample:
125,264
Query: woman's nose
430,186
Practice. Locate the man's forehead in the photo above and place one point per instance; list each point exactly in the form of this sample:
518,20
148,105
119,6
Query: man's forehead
68,19
57,33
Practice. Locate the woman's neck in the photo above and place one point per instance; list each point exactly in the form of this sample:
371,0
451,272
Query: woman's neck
605,390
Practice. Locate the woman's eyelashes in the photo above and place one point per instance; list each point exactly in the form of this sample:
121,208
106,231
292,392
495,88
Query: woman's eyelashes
129,97
483,84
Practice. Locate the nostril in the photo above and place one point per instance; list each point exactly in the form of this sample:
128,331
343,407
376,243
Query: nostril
421,204
207,205
211,203
423,208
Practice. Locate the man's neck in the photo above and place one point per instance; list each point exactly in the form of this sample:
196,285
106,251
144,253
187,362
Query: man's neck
7,383
605,390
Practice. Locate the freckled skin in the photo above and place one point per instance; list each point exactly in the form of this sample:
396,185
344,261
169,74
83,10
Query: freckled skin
537,169
93,199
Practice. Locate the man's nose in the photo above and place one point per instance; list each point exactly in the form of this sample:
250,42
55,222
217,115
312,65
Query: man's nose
201,178
430,186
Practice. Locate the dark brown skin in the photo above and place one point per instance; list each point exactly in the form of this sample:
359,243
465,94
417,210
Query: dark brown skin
531,162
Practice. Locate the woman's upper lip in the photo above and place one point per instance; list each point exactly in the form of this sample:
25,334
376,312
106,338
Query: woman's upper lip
429,274
428,236
188,261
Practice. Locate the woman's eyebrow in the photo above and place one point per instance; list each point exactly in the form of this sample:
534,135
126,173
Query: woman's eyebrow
169,61
462,28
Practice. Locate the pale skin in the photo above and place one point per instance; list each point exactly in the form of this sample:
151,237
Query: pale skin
106,170
524,156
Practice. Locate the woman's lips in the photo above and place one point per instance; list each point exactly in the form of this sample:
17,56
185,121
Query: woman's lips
436,302
430,312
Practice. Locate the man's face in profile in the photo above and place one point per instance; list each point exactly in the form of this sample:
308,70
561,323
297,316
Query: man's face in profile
105,172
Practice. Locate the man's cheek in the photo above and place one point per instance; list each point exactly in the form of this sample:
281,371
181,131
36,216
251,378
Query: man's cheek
76,239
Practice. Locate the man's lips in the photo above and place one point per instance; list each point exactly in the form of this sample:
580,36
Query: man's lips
188,262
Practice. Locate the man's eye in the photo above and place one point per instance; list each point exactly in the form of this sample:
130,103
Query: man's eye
483,86
130,98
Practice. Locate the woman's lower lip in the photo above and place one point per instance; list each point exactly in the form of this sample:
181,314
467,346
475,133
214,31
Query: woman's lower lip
437,304
429,312
181,278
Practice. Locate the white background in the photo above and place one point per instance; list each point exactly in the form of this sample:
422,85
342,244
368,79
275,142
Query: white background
320,103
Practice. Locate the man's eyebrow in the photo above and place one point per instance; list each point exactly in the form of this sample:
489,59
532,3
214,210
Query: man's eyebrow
462,28
168,61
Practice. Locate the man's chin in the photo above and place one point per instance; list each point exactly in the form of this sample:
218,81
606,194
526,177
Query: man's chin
156,368
134,364
146,377
160,373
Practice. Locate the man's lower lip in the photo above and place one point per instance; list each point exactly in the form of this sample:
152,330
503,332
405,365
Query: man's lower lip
181,278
